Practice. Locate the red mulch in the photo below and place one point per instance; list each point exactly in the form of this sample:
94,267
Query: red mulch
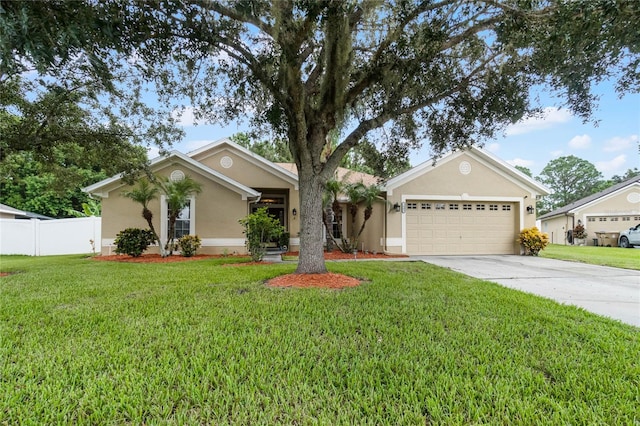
4,274
151,258
326,280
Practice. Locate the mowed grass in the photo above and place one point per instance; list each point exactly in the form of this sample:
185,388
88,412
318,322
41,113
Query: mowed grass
607,256
87,342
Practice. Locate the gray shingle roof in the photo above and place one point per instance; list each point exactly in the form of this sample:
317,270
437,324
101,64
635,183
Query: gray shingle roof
590,198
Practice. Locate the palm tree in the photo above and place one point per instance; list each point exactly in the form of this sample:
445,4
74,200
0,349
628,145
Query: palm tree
178,194
144,193
368,195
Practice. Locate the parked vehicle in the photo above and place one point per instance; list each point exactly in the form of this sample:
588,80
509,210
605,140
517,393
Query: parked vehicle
630,237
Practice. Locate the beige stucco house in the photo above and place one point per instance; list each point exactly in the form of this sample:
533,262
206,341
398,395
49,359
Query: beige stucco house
603,215
468,202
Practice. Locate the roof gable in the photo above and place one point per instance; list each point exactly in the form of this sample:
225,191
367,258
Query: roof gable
594,198
494,163
255,159
105,186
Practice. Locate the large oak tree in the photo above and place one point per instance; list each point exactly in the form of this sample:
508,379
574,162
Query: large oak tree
450,72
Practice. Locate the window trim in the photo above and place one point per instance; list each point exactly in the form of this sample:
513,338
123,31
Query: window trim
164,218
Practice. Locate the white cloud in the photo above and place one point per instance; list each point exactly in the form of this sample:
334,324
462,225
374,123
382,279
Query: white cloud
185,117
521,162
612,166
152,152
557,153
493,147
549,117
620,144
580,142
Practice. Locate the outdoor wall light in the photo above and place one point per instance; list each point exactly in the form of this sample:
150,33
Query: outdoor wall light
294,212
396,207
530,209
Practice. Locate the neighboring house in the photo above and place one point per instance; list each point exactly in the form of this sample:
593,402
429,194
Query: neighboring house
607,212
469,202
8,212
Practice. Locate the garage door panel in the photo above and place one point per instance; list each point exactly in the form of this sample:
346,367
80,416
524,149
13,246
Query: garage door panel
461,231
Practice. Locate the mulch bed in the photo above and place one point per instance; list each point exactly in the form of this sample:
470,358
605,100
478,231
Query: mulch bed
326,280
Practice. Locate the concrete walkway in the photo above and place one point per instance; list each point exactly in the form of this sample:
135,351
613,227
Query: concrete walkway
612,292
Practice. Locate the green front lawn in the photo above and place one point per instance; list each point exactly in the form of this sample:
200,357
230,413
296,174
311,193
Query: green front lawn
87,342
608,256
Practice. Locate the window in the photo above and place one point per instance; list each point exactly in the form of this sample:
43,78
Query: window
493,207
636,218
183,222
412,206
614,219
453,207
439,206
479,206
336,220
466,207
602,219
591,219
426,206
506,208
626,219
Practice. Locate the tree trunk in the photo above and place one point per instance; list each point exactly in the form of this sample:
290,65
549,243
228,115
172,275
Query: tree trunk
311,260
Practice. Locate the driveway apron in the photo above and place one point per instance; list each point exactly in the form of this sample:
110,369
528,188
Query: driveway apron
612,292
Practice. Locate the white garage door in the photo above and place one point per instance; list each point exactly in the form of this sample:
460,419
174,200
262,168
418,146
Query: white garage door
454,227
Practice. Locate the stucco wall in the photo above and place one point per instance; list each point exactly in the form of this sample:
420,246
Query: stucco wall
446,181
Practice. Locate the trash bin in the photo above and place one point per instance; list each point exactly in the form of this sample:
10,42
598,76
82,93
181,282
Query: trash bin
608,239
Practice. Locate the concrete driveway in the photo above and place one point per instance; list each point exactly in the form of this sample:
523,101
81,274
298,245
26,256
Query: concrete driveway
612,292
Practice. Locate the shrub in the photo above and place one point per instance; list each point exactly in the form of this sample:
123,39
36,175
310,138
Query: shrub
189,244
283,241
579,232
133,241
533,241
260,228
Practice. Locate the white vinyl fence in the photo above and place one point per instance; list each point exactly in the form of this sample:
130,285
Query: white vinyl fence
36,237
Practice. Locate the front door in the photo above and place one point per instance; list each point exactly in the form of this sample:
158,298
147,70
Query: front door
276,207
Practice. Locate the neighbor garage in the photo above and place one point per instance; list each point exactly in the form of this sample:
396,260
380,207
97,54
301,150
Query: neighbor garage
454,227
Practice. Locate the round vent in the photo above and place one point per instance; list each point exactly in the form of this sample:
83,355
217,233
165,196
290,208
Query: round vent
226,162
176,175
465,167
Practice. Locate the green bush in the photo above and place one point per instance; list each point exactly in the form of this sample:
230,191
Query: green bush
260,227
284,240
189,244
133,241
533,241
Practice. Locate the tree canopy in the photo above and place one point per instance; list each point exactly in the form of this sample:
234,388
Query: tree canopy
450,72
570,179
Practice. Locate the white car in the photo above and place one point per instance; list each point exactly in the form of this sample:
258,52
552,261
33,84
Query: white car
630,237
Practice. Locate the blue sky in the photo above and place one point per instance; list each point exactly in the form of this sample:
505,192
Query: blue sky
611,144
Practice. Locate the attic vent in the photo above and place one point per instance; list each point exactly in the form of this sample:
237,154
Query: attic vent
176,175
634,197
226,162
465,167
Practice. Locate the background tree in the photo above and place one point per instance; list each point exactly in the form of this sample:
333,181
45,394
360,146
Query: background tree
275,150
570,179
525,170
630,173
449,72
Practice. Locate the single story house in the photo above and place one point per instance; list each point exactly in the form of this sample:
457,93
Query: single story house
603,215
468,202
8,212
